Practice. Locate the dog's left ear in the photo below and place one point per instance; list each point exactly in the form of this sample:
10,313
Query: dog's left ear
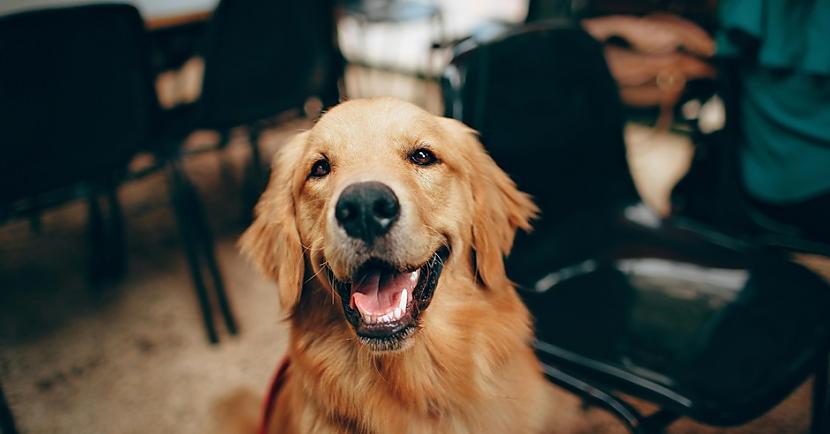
272,242
499,208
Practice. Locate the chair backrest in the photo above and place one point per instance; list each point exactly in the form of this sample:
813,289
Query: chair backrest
548,112
541,10
263,57
76,96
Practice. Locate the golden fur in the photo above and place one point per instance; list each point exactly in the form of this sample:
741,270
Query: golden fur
469,367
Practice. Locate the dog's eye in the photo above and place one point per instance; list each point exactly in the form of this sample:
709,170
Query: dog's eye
423,157
320,169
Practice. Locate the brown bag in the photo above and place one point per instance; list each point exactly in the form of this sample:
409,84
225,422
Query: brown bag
663,53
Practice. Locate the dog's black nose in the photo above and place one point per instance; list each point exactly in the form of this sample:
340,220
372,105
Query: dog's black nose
367,210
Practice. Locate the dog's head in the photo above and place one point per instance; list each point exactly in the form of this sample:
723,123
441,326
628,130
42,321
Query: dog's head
376,202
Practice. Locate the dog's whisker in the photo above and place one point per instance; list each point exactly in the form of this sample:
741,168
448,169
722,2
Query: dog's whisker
437,258
313,276
435,231
374,362
322,267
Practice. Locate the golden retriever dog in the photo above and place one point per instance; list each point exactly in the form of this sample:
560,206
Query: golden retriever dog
385,229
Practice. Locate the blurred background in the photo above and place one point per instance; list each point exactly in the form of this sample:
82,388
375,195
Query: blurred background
679,150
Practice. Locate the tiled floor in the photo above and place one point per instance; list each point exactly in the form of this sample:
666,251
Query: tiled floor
133,358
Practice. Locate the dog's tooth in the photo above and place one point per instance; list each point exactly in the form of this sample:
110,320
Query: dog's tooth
398,313
413,276
402,302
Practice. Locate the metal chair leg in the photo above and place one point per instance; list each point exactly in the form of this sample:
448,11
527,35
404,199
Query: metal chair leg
7,425
627,414
254,181
219,289
106,234
97,238
820,396
256,155
226,171
205,238
182,201
633,420
117,263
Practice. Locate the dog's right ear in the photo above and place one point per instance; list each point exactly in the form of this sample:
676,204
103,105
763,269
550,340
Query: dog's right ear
272,242
499,208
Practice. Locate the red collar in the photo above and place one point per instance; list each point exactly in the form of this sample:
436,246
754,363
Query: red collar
271,397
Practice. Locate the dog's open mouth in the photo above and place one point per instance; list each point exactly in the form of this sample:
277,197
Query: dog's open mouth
383,303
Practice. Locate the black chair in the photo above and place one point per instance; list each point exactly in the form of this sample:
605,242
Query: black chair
701,324
262,58
77,102
76,105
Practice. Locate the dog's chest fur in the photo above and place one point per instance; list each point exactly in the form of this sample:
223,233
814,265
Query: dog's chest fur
477,379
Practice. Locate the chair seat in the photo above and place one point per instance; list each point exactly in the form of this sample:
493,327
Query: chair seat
695,322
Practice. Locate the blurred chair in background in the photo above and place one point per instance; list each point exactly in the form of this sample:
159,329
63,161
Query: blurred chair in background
77,102
699,323
262,58
658,51
654,59
763,178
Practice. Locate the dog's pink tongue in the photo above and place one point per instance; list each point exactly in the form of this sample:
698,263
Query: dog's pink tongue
379,293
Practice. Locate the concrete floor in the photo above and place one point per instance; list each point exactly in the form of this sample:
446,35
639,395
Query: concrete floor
133,357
